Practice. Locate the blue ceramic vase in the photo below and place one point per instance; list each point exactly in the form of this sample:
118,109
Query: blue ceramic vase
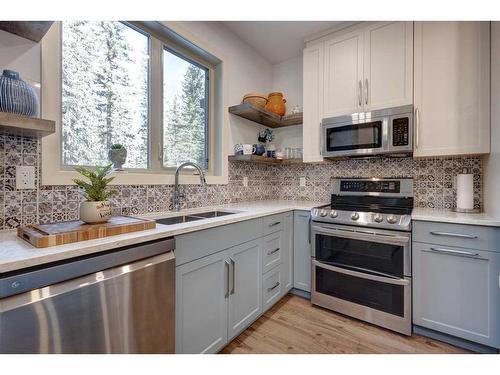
17,96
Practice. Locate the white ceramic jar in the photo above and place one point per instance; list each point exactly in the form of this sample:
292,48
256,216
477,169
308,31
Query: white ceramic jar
95,212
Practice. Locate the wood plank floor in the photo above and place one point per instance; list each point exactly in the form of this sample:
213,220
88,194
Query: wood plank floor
293,325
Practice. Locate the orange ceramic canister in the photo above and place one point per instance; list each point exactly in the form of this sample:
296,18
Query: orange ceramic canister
276,103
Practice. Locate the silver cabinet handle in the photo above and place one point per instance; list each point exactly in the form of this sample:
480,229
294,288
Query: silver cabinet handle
366,90
309,226
275,223
273,287
417,127
360,93
226,265
273,251
454,252
232,275
459,235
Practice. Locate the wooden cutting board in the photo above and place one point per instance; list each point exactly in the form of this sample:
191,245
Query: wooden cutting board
45,235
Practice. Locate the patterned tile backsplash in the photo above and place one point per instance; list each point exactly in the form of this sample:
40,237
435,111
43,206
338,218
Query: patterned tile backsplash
433,184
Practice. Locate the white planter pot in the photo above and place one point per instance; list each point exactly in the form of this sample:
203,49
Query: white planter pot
95,212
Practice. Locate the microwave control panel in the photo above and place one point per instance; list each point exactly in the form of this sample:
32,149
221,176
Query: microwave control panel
401,131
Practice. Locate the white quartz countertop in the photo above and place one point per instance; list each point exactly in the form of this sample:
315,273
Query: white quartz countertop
17,254
448,216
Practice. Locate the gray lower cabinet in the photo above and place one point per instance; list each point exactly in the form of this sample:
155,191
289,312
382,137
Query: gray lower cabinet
301,251
201,305
288,253
245,295
456,290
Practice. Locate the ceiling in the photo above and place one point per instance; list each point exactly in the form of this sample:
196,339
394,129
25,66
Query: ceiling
278,41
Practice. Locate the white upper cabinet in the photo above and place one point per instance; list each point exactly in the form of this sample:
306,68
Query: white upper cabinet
388,65
313,62
452,88
343,74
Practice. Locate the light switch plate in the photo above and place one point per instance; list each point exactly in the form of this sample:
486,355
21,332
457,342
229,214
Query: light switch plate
25,177
245,181
302,181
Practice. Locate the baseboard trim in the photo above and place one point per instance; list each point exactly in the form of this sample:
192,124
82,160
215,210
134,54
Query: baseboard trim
461,343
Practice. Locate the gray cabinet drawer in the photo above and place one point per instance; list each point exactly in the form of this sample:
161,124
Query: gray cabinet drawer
272,250
273,223
272,286
196,245
460,235
456,291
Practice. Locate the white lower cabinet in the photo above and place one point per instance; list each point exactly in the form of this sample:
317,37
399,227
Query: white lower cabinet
246,286
456,290
201,305
301,251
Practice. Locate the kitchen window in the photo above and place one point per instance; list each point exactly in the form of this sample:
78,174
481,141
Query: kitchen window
140,84
105,93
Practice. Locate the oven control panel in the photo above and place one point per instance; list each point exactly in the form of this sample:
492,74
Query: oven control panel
363,186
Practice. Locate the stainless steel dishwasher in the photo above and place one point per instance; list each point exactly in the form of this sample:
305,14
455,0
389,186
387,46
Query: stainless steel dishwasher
121,301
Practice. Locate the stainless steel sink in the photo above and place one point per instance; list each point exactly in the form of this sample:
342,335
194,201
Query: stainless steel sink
193,217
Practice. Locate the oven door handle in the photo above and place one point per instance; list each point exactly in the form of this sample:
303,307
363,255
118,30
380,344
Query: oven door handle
361,235
362,275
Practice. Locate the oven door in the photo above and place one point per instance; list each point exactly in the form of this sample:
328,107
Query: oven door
354,139
374,251
379,300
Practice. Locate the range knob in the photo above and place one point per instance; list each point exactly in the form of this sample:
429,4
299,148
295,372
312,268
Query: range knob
354,216
323,213
378,218
333,214
391,219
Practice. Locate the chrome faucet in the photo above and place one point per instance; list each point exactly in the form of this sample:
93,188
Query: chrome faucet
177,194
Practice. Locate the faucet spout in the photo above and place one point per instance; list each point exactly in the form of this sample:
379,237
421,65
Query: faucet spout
177,194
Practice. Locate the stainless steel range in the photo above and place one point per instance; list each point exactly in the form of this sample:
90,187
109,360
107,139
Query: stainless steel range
361,251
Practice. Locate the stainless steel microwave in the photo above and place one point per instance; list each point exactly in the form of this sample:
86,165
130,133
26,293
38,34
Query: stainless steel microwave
382,132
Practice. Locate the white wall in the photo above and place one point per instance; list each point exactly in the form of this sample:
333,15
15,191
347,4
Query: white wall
247,72
21,55
287,78
492,161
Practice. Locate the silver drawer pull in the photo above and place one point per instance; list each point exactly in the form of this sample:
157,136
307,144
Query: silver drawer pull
273,287
273,251
275,223
459,235
454,252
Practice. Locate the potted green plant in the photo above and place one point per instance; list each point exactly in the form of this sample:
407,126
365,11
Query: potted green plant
118,156
97,208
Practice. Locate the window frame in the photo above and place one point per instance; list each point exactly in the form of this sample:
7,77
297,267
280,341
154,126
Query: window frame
149,97
160,34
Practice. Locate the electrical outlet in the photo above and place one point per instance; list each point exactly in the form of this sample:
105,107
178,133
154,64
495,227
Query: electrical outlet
245,181
25,177
302,181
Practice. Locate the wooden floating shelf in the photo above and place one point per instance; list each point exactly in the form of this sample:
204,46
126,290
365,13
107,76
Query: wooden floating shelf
263,117
14,124
263,159
32,30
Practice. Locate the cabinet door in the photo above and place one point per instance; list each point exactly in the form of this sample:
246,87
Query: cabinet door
301,251
343,74
313,65
452,88
457,294
201,305
287,253
245,298
388,65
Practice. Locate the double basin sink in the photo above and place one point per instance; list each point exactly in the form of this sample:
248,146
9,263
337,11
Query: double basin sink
192,217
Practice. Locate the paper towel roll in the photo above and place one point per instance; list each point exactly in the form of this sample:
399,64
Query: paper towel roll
465,192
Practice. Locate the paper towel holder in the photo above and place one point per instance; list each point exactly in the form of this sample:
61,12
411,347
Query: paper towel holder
466,210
